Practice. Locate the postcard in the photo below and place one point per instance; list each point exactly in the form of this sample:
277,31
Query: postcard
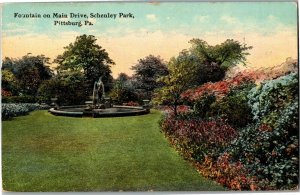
150,96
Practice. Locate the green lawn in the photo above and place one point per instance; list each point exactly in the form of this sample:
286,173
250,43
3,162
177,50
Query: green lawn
42,152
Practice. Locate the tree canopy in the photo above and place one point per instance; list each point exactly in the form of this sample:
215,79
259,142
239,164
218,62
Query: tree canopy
86,56
181,70
213,61
199,64
146,73
24,75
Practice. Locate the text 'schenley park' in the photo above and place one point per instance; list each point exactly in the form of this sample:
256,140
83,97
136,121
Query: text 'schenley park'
150,97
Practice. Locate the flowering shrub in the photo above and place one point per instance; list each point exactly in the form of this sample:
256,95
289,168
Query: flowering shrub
234,106
230,174
5,93
220,89
270,97
131,103
181,109
270,73
12,110
269,148
197,138
264,154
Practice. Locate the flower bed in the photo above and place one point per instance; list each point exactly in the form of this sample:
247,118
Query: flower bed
10,110
259,153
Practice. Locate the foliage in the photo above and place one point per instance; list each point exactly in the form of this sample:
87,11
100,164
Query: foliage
225,99
269,73
68,87
28,73
123,90
234,107
270,97
271,153
213,61
176,82
200,64
196,138
5,93
219,89
85,55
269,148
202,106
18,99
233,175
10,110
9,85
146,73
264,154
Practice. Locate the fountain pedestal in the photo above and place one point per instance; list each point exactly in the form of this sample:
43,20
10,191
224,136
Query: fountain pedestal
54,103
107,102
146,105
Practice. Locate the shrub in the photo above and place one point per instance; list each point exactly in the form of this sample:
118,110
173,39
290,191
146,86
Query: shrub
198,138
230,174
10,110
219,89
270,97
263,155
120,96
269,148
6,93
234,107
202,105
18,99
68,87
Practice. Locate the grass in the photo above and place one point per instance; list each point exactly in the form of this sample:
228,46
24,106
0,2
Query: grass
42,152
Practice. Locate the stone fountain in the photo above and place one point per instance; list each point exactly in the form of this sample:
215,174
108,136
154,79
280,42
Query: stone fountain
99,106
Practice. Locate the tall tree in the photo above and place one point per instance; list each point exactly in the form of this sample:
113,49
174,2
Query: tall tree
29,71
214,61
146,73
86,56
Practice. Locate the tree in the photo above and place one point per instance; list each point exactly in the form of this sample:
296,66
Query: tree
9,82
87,56
147,71
181,71
29,72
123,90
67,87
214,61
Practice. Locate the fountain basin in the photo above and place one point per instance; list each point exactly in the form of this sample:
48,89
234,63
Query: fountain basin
114,111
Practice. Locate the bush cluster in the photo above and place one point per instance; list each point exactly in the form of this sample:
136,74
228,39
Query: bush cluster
18,99
247,139
197,138
269,147
10,110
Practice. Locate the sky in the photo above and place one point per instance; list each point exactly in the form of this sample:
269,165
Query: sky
162,29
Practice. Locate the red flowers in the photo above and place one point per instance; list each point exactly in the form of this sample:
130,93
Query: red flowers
5,93
231,175
220,89
131,103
